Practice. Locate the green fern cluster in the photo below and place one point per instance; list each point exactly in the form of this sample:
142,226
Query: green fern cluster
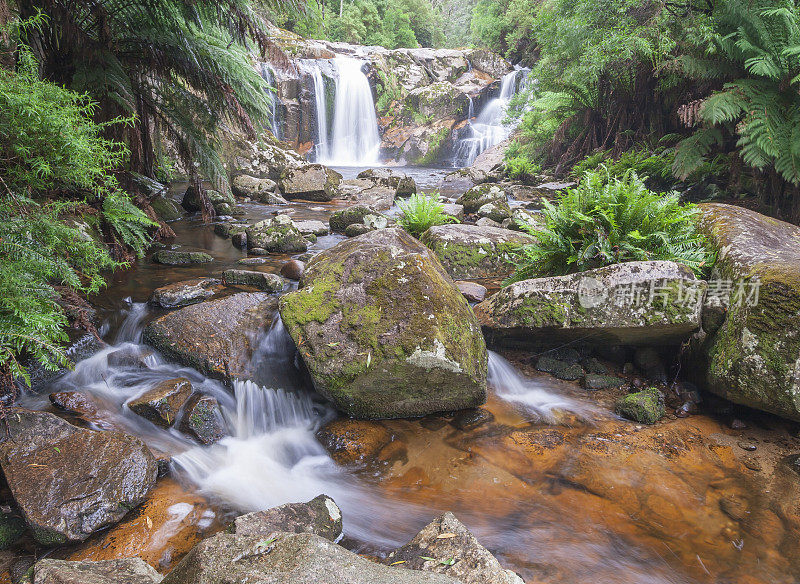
607,220
757,44
421,212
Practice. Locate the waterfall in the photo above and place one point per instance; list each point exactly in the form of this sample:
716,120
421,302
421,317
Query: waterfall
354,137
268,74
321,111
488,129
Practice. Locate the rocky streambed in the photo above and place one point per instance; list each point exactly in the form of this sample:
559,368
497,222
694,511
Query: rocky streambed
164,450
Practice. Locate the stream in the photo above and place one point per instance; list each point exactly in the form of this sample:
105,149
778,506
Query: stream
536,485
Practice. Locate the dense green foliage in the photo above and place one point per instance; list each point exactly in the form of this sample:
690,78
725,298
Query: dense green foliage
421,212
607,220
58,194
389,23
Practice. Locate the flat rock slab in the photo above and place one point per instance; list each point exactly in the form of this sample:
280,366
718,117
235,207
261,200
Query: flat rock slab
286,558
70,482
122,571
185,293
320,516
261,280
181,258
636,303
474,251
312,182
216,337
752,354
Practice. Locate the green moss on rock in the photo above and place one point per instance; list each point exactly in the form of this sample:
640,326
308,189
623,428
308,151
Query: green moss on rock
645,407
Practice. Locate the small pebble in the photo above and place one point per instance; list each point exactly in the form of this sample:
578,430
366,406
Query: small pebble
749,446
737,424
752,463
293,269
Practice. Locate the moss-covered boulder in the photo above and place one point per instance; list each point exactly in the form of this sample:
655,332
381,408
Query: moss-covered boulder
384,331
753,357
340,220
223,203
203,419
498,212
474,251
480,195
645,407
437,101
636,303
216,337
277,235
166,208
312,182
184,293
261,280
181,258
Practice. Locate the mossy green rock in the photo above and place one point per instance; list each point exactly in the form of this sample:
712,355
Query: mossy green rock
340,220
635,303
11,529
753,358
475,251
437,101
222,203
276,235
181,258
384,331
480,195
202,419
261,280
312,182
645,407
166,208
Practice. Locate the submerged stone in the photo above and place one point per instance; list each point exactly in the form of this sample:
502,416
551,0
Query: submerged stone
162,403
181,258
184,293
384,331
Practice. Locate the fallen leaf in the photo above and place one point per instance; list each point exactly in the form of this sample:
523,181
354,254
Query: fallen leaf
148,521
446,536
399,562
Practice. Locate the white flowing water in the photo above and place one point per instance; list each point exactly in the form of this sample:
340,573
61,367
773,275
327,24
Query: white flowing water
354,137
268,74
321,152
488,129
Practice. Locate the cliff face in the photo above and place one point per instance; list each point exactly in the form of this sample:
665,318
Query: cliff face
423,96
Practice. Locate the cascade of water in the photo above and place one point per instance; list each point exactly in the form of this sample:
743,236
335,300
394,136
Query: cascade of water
488,129
268,74
131,329
512,386
354,137
321,113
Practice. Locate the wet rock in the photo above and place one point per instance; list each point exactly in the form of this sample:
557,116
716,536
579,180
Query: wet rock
737,424
472,251
293,269
645,407
184,293
649,361
202,419
569,355
70,482
385,332
216,337
751,359
356,229
239,239
121,571
560,369
747,445
250,186
223,204
472,292
497,212
587,306
472,418
312,182
181,258
227,229
490,159
686,409
340,220
75,402
486,222
286,558
166,208
129,357
615,353
463,179
481,195
261,280
311,226
446,546
438,101
277,235
453,210
406,187
354,441
593,365
162,403
375,221
257,251
252,261
320,516
594,381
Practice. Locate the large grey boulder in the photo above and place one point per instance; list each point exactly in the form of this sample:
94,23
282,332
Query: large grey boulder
216,337
751,354
478,196
635,303
475,251
312,182
70,482
455,552
384,331
320,516
121,571
276,234
286,558
245,185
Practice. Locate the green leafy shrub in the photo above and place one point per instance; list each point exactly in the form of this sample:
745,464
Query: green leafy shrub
607,220
522,169
421,212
